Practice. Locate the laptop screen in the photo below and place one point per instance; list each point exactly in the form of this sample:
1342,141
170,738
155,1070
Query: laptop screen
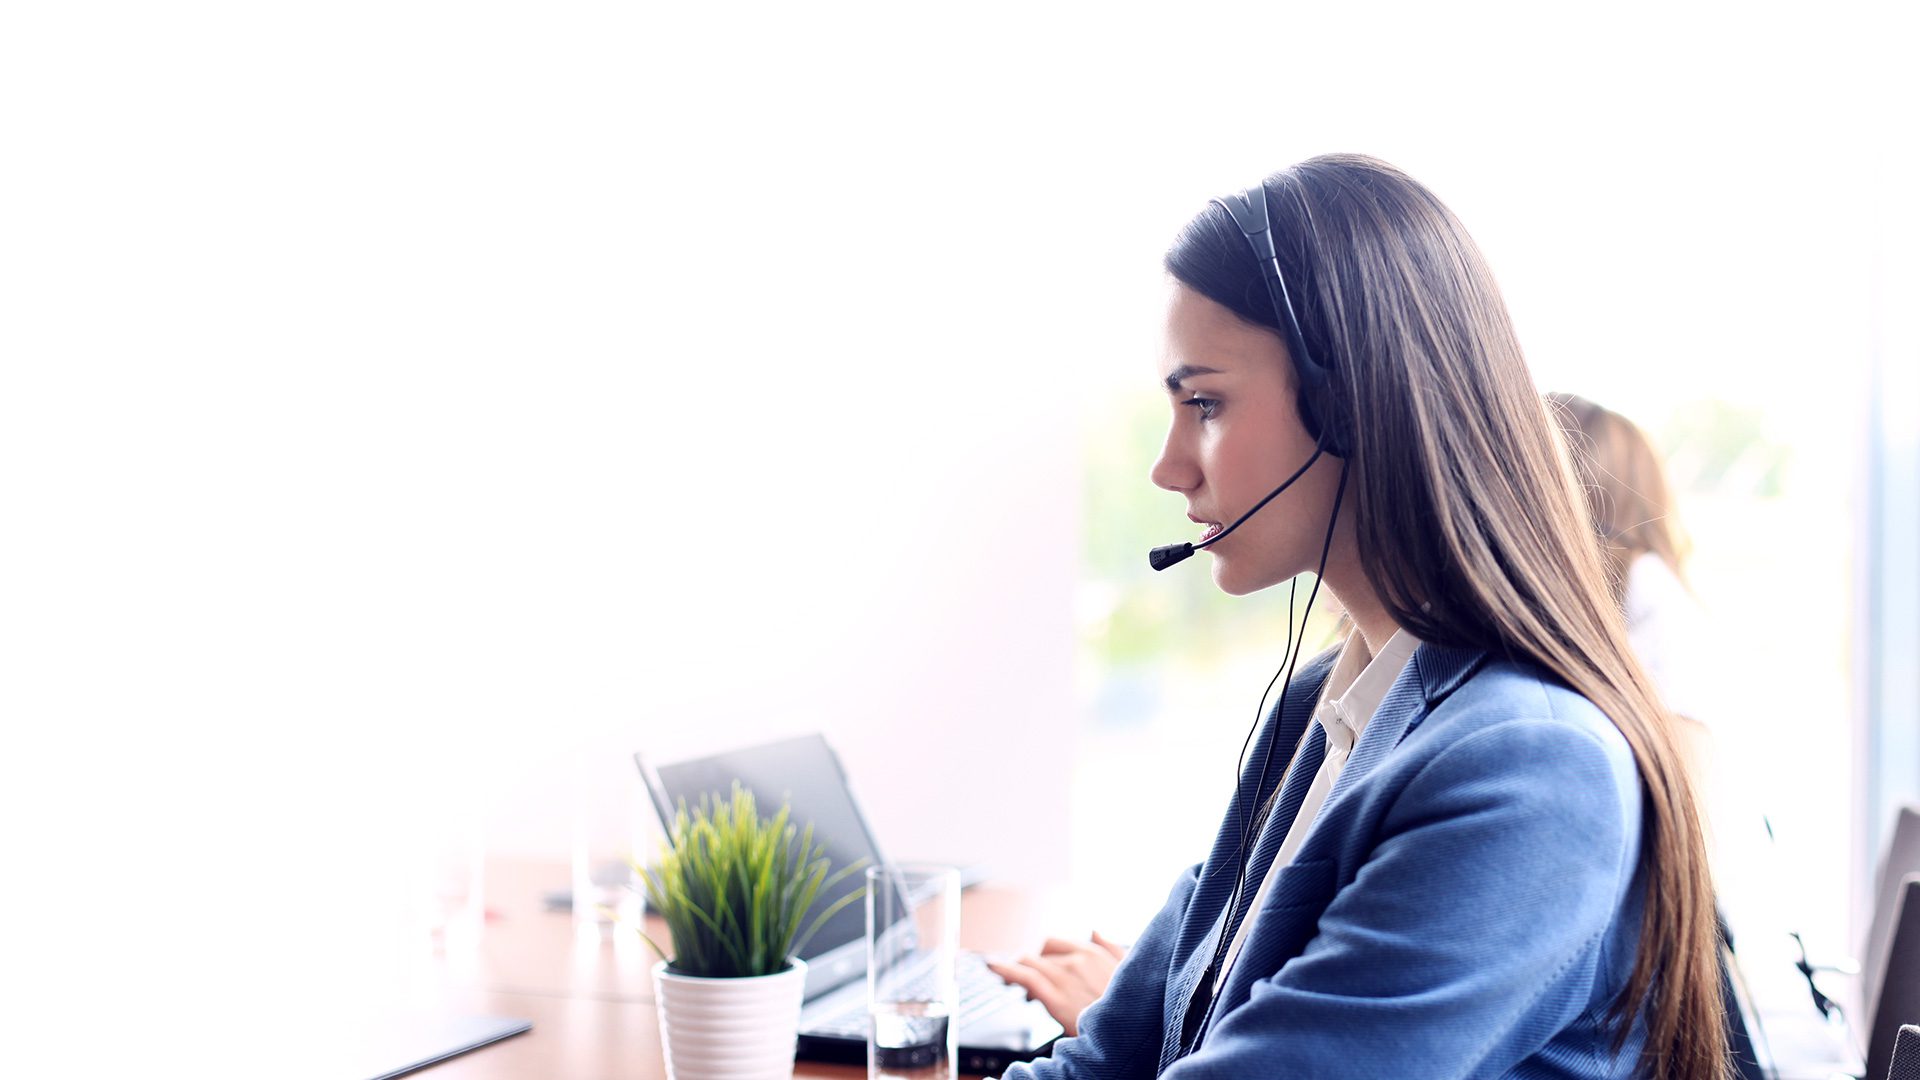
804,774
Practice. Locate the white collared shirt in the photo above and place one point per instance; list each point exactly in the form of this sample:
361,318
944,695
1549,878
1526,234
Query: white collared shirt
1347,703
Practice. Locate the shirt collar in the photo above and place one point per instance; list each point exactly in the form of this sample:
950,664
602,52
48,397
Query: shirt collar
1351,699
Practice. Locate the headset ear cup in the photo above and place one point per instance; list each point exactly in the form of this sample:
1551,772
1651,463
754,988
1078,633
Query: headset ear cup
1310,415
1321,417
1334,422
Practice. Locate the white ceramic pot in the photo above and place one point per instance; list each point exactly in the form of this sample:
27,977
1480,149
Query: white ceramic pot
729,1029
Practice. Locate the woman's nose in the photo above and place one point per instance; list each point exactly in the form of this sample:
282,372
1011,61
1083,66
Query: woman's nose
1173,470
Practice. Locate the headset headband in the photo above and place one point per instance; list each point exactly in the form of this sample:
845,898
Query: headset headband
1249,211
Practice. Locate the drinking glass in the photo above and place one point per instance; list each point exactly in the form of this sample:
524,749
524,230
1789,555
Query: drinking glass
913,936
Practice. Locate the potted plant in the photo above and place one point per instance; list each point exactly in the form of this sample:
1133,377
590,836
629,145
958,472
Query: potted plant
733,889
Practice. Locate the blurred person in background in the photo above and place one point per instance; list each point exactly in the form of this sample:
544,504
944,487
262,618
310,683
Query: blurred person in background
1636,519
1631,504
1645,548
1476,851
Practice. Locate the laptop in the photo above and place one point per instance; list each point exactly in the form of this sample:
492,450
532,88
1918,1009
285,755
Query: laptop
997,1024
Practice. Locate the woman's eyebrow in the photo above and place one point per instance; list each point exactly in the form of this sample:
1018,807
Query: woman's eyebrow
1184,372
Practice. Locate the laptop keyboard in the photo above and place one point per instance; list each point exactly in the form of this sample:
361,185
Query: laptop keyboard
980,990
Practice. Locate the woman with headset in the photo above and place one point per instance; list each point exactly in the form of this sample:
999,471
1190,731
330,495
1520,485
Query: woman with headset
1462,844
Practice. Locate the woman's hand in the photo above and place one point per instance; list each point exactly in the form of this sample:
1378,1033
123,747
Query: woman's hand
1066,977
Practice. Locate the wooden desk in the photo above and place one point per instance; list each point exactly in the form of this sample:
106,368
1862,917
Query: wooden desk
590,994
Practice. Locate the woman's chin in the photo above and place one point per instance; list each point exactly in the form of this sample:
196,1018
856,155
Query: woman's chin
1242,580
1228,579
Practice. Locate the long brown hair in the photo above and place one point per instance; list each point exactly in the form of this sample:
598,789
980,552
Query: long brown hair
1626,487
1467,515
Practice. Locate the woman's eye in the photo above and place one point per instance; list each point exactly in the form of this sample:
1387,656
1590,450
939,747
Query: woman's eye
1206,406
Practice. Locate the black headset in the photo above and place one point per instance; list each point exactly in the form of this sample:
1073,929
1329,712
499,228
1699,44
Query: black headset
1331,430
1324,421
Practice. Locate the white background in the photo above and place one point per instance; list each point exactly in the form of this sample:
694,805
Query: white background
412,409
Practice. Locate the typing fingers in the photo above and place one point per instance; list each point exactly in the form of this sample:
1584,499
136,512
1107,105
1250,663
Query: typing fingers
1039,987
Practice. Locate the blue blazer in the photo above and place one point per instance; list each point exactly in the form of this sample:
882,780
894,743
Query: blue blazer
1467,905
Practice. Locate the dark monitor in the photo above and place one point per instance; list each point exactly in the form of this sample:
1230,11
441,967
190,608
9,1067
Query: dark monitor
1900,985
1901,857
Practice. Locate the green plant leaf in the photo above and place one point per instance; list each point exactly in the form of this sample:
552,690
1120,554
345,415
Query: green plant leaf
734,888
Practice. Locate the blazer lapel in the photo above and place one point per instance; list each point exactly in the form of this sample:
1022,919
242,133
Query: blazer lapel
1313,751
1283,730
1431,674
